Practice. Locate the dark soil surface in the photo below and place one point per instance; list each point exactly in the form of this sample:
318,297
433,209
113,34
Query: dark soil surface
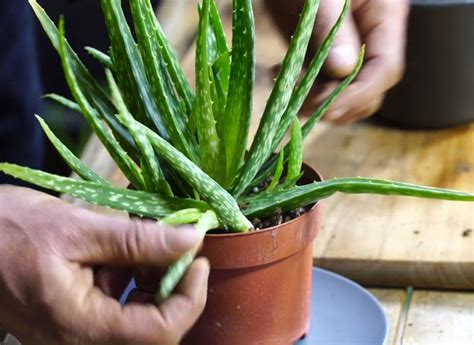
277,218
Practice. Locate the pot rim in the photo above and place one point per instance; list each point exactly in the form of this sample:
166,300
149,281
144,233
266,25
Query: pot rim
275,227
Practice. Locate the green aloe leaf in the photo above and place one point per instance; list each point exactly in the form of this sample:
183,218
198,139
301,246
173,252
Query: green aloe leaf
161,84
75,107
220,200
295,160
280,97
176,72
235,122
216,94
186,216
319,113
63,101
129,68
218,28
221,71
222,65
91,88
72,161
170,280
304,87
212,52
278,171
207,133
301,196
134,202
269,167
103,58
119,155
154,179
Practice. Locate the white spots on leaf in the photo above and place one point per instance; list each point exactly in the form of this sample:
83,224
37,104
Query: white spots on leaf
115,197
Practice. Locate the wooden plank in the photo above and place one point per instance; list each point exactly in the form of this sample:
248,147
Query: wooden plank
440,318
397,241
392,301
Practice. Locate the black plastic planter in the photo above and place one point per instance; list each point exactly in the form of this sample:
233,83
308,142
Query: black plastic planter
438,88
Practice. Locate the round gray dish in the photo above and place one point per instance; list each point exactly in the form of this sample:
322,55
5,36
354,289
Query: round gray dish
438,88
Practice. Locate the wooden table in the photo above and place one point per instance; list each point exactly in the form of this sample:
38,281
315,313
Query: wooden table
380,241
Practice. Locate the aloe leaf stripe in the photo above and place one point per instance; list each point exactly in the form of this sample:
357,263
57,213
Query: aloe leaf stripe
181,83
113,147
279,98
131,201
212,48
319,113
218,28
72,161
305,195
63,101
120,58
186,216
176,271
278,171
207,133
307,82
75,107
154,65
315,117
237,117
222,72
216,95
101,57
220,200
155,182
295,160
129,67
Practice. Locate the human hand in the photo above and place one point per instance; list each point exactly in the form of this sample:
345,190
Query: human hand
381,25
47,290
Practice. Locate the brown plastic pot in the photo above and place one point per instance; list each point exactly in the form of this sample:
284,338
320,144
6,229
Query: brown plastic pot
260,283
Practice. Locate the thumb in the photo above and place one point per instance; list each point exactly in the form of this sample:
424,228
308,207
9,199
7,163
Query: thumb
119,241
345,50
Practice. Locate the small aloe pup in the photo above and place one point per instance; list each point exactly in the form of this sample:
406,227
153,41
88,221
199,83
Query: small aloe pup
185,150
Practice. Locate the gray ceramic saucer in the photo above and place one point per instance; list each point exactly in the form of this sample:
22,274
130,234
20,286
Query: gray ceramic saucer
344,313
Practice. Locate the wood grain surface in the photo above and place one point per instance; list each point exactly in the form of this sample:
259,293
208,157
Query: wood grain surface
397,241
440,318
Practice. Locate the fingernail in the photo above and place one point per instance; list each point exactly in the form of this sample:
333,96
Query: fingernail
343,59
182,238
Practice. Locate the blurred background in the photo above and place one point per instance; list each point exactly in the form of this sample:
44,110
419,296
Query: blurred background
437,90
85,27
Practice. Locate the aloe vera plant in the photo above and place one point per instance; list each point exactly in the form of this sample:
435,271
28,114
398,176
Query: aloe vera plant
184,149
